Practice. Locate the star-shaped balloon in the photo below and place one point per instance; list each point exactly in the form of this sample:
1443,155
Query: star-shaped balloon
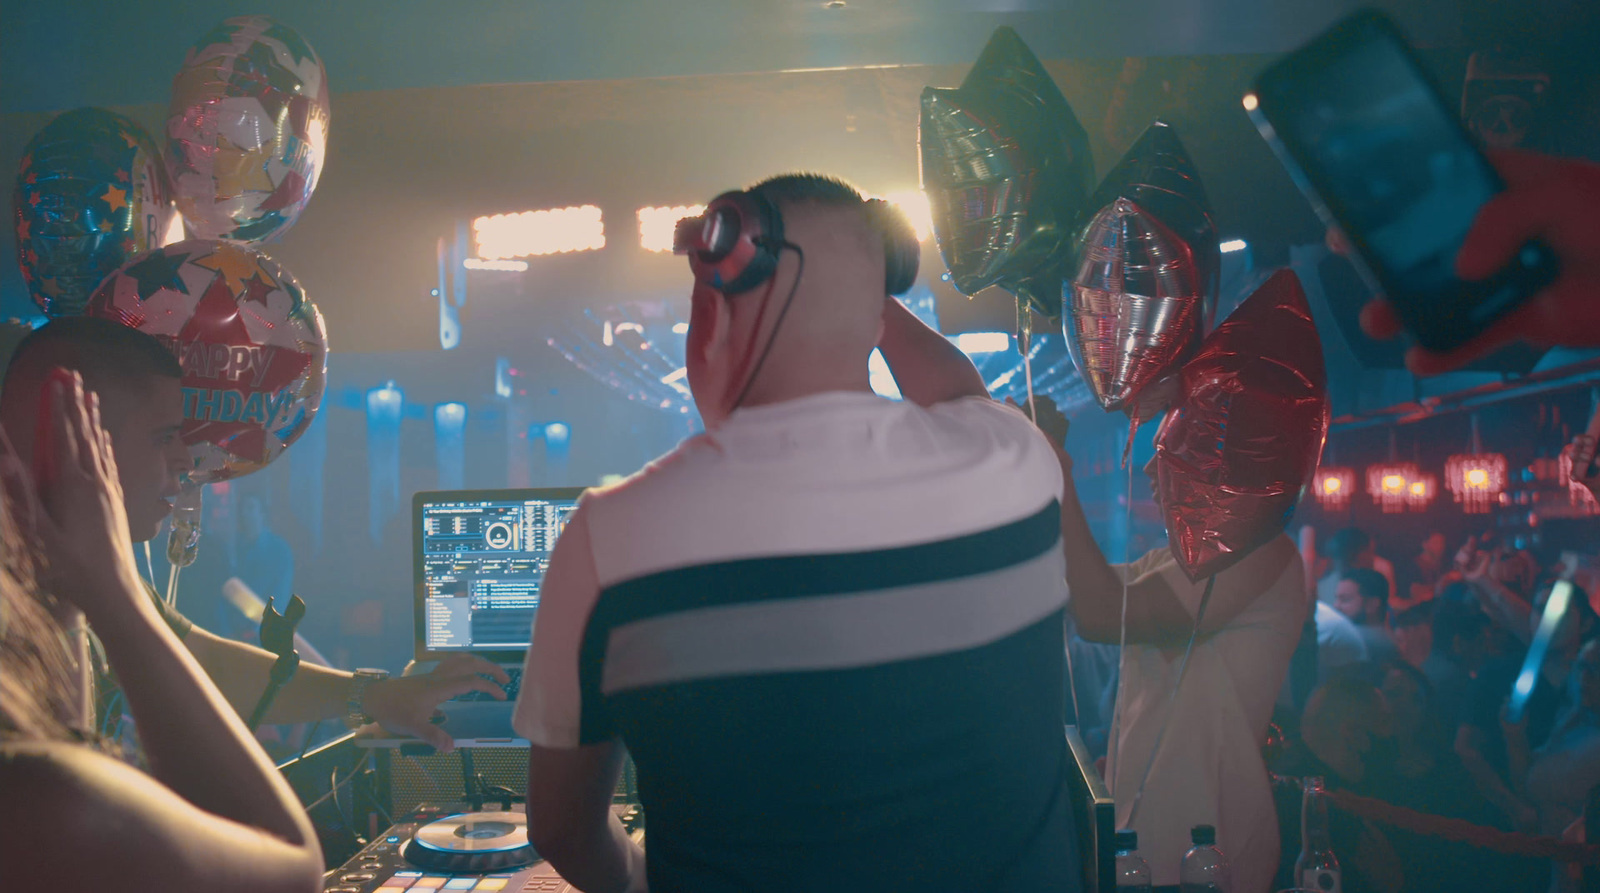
1239,447
1006,167
1157,174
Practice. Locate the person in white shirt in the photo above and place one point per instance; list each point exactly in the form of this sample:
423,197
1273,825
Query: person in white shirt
1208,769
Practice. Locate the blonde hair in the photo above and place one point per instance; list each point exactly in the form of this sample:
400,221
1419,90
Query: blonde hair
36,688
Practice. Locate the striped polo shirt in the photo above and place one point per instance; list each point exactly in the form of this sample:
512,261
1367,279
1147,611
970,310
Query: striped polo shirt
830,634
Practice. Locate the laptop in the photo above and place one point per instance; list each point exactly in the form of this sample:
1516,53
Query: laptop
478,560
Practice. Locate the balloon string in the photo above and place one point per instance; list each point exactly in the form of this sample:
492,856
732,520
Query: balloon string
1172,700
1027,373
172,584
1122,641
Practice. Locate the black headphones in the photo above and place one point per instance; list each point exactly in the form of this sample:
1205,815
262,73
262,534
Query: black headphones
734,246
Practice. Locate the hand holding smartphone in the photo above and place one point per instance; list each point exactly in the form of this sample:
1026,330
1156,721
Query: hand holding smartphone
1371,142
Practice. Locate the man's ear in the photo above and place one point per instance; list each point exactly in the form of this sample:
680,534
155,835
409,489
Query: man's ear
712,320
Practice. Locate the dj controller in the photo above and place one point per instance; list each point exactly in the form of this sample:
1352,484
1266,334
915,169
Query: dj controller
445,847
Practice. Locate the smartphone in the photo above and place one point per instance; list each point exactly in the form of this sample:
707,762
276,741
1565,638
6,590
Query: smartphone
1367,136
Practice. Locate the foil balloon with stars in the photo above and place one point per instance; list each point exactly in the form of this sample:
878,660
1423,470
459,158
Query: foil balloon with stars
1242,442
247,130
1147,276
90,194
1007,171
254,350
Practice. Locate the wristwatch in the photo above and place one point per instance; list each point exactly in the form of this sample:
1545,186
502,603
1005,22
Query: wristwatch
355,715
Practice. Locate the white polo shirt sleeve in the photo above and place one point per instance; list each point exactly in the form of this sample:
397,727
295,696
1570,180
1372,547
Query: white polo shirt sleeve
549,710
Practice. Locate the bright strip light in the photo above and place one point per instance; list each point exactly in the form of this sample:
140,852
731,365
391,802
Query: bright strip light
503,266
880,378
678,379
656,225
1233,245
914,202
533,233
983,342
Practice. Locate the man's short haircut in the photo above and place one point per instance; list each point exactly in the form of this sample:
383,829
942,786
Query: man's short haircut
1371,583
1345,697
102,351
1346,544
808,187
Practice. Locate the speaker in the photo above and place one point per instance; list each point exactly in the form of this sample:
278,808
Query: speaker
1346,292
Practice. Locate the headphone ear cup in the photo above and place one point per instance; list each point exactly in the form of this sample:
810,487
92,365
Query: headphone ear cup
762,225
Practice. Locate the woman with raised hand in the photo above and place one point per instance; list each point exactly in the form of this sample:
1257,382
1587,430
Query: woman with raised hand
213,812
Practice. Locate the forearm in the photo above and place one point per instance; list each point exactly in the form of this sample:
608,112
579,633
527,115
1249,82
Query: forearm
600,860
196,745
927,368
240,671
1488,781
1505,607
1095,585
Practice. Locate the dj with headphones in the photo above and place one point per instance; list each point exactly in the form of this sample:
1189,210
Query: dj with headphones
828,629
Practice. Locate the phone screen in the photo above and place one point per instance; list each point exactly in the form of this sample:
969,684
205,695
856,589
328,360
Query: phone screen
1397,171
1395,162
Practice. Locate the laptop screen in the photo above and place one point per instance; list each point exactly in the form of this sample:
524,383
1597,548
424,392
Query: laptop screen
480,559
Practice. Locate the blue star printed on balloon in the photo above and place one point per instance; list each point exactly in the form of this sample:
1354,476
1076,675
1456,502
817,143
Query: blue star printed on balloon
157,271
221,35
291,40
257,68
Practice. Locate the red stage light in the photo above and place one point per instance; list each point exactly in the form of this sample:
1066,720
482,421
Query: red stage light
1477,480
1390,486
1334,486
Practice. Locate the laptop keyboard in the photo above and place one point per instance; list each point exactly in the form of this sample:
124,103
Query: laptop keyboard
512,688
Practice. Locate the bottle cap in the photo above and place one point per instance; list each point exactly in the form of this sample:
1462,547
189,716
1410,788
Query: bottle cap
1127,839
1203,835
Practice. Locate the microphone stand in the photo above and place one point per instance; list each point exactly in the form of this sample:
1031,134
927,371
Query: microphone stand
277,636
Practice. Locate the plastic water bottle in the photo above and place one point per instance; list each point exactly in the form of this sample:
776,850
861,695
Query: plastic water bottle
1133,873
1204,869
1316,869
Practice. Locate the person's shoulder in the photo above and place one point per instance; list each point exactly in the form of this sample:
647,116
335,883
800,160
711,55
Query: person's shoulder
62,775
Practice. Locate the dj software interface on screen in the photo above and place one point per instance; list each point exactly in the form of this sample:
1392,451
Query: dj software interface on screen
483,562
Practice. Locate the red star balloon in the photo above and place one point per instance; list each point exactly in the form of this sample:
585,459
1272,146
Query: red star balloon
254,351
1243,439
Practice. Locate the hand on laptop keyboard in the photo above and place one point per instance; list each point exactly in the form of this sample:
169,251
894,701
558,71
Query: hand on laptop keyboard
406,705
512,688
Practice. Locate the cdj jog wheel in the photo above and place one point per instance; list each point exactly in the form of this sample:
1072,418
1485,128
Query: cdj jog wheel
472,842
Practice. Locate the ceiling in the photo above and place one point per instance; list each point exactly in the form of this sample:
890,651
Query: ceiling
56,55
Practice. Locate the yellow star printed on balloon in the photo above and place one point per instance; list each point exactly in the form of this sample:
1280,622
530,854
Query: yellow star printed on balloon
195,85
235,264
115,198
238,170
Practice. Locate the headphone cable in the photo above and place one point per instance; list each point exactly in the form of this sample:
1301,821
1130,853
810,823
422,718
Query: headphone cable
776,326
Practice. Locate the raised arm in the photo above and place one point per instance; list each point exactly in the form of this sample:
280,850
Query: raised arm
1155,613
926,366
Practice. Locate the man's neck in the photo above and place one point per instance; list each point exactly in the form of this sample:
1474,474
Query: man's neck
783,392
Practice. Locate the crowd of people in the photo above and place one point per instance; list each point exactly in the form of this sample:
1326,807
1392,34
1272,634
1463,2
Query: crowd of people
831,630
